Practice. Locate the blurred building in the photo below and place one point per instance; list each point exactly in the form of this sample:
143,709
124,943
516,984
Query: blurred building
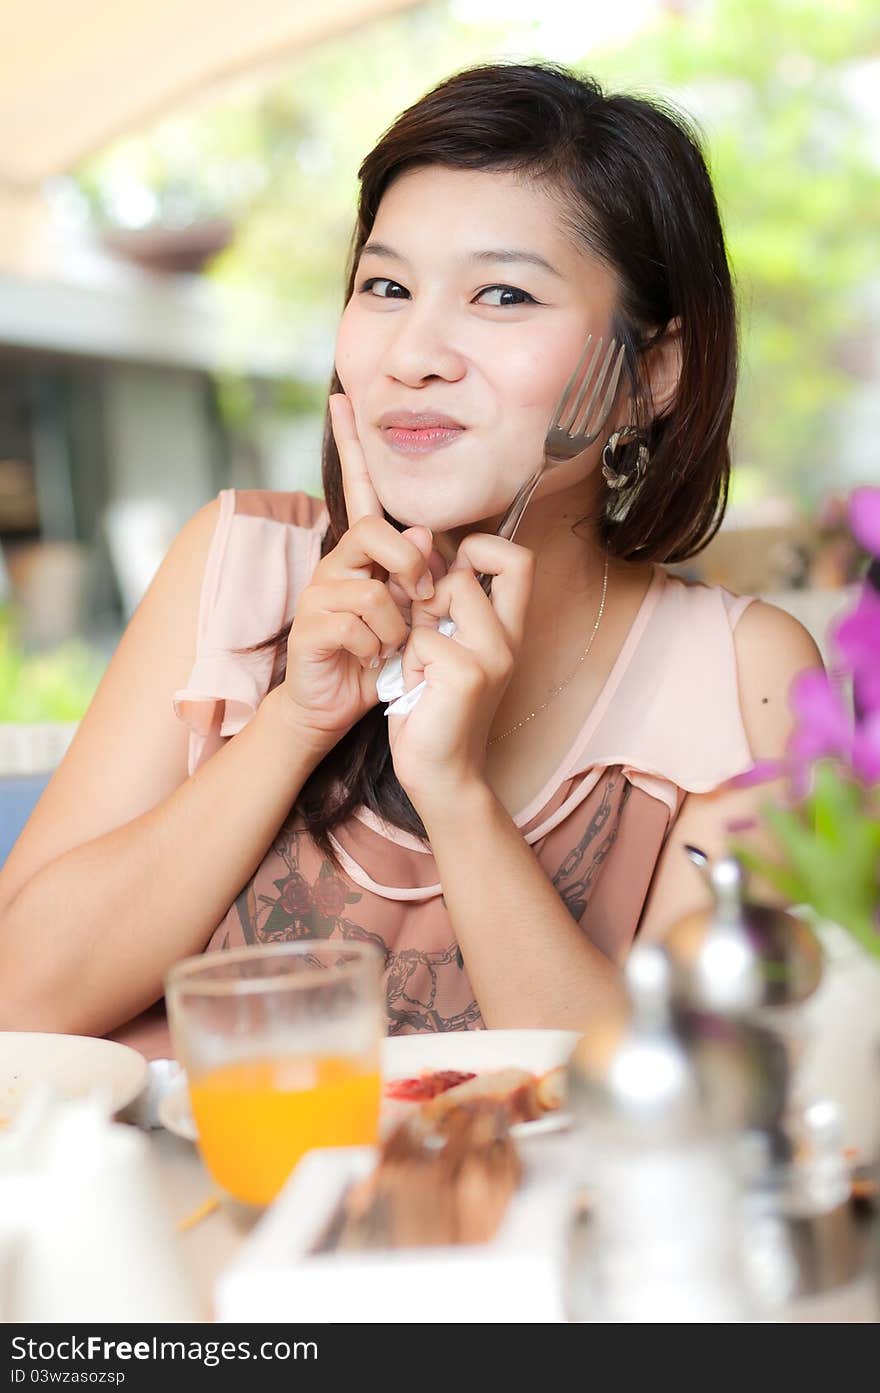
110,433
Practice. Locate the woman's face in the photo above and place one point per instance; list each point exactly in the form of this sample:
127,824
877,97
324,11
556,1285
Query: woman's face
471,303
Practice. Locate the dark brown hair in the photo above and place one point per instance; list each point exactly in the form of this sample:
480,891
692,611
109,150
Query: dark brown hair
632,186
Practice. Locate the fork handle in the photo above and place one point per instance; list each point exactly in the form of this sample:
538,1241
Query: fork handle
511,521
390,682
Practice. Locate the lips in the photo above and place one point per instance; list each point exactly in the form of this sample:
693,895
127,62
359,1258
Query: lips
419,420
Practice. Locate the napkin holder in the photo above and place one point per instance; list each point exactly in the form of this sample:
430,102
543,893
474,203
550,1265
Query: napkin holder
517,1277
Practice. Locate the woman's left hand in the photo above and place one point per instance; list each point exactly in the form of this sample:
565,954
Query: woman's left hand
440,746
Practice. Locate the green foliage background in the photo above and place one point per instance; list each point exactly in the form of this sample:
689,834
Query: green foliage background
56,686
797,173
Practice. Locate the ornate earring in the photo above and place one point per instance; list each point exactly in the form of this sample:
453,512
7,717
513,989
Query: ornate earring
629,478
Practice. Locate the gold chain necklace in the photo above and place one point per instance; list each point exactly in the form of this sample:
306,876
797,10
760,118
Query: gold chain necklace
555,693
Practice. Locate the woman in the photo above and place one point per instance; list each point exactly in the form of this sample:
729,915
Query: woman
237,780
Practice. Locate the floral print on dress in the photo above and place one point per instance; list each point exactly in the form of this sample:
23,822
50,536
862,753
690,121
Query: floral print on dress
425,989
297,894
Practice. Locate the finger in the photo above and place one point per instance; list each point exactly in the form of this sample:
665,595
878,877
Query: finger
374,542
328,633
361,500
437,565
459,594
478,628
423,539
369,599
448,663
512,568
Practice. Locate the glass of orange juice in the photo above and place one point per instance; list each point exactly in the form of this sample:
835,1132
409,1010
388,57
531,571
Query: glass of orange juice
280,1044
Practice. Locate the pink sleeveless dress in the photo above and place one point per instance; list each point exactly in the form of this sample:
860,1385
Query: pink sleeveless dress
666,723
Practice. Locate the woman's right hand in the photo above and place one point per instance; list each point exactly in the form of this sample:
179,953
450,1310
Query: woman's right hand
347,620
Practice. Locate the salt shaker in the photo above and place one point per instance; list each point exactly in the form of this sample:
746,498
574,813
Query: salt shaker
740,956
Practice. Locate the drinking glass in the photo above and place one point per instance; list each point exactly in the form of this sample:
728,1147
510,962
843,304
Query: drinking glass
280,1044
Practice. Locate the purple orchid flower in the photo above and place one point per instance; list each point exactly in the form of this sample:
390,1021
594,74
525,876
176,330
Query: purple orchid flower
864,518
866,750
824,728
761,772
857,637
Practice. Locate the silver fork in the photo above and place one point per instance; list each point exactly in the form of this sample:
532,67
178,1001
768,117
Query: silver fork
580,414
576,424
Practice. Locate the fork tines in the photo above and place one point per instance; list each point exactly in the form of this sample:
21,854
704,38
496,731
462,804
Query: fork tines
575,412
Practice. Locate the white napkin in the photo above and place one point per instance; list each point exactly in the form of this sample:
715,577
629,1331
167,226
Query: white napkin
389,686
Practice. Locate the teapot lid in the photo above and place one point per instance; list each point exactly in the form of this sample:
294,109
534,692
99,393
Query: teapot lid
633,1071
656,1073
739,955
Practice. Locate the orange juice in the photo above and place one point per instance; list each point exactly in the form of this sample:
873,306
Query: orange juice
256,1118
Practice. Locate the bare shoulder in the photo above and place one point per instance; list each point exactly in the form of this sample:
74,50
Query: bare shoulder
772,648
767,632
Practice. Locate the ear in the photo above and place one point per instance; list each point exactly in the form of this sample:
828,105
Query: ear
663,367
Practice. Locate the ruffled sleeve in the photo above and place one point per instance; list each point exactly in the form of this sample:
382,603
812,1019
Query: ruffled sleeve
673,722
264,550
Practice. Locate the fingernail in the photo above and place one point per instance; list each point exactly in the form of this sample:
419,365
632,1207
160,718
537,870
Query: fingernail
425,587
374,662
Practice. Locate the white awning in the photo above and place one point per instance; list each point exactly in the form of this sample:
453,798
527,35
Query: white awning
75,74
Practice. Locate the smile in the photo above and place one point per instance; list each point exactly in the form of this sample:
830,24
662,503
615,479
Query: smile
422,440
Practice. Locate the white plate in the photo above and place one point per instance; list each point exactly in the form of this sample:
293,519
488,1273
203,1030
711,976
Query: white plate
71,1065
406,1055
475,1051
174,1111
537,1050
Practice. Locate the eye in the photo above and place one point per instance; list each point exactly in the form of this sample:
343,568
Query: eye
367,287
525,297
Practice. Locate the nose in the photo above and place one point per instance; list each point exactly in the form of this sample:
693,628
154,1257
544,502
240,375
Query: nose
422,347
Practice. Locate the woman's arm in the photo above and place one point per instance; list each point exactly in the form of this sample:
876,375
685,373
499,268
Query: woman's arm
126,864
528,961
772,647
86,942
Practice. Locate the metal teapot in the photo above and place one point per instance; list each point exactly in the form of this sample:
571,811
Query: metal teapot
737,956
648,1070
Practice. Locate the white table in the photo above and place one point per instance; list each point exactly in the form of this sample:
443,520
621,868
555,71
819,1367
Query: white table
842,1063
212,1242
